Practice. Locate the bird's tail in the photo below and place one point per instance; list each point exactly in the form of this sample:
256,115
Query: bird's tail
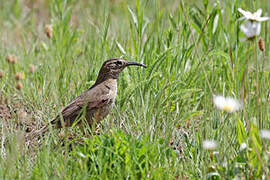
37,133
55,123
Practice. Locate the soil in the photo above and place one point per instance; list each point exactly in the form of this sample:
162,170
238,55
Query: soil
4,110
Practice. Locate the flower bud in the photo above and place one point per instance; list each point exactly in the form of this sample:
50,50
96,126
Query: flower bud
48,30
32,68
19,86
2,74
261,44
12,59
18,76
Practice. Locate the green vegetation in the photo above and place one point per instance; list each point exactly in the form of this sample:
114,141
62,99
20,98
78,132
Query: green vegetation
193,49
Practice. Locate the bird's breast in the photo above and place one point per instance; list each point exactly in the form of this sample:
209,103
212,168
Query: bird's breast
110,86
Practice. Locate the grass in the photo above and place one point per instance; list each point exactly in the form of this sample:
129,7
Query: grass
162,114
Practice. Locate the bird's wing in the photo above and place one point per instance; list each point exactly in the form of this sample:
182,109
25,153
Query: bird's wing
91,99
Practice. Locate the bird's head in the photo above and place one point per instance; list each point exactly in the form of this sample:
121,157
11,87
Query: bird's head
113,67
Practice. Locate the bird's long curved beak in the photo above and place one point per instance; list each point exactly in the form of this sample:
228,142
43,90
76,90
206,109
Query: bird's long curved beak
134,63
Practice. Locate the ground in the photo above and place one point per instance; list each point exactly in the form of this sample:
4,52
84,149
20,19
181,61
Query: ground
165,123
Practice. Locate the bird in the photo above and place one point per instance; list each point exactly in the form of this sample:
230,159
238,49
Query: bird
96,102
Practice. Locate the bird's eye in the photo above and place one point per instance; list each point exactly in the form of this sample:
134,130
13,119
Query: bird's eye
119,63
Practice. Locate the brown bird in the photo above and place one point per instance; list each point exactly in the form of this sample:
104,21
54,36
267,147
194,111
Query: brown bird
95,103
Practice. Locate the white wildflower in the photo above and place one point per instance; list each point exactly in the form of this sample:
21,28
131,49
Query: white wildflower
209,144
265,134
251,29
243,146
226,103
256,16
252,24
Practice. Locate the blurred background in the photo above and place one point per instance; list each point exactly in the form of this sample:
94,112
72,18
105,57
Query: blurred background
52,50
